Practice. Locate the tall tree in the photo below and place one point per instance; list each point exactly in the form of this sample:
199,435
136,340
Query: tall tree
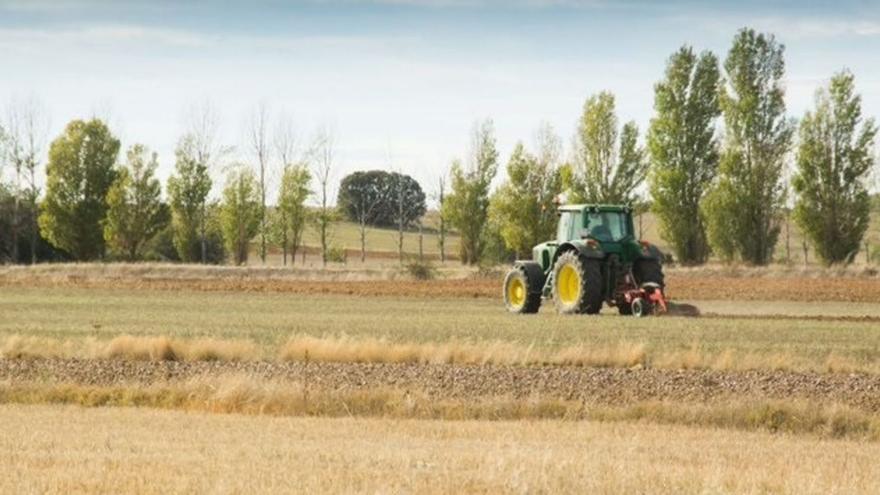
361,194
743,208
285,145
684,150
295,190
203,149
135,211
523,206
79,173
323,171
259,141
834,160
609,163
467,205
188,192
27,129
408,205
240,212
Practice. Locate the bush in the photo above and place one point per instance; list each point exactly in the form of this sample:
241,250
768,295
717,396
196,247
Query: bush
161,247
421,270
336,254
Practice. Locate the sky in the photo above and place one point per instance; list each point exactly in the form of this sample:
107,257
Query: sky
399,82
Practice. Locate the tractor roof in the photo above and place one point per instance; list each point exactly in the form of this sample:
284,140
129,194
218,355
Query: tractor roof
596,207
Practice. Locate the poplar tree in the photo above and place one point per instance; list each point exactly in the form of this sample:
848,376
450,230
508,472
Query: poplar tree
523,206
467,206
188,191
135,210
684,150
240,212
834,159
744,206
609,164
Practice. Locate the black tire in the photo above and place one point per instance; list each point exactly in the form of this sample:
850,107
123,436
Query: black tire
624,308
581,295
646,271
640,307
519,294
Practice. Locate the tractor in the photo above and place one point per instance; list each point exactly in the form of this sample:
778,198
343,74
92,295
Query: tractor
594,259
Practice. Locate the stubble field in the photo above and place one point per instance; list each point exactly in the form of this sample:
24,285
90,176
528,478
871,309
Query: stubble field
778,360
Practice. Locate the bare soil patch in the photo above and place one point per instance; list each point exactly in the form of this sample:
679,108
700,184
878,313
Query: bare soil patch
612,386
682,284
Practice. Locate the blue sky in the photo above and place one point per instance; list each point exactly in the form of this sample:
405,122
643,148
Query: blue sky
401,82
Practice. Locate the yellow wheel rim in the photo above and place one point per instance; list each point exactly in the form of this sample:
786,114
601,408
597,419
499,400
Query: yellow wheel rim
568,285
516,292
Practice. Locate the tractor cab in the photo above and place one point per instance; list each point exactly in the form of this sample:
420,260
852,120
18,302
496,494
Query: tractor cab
595,258
602,224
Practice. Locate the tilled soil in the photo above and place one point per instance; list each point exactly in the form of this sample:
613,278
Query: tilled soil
614,386
679,286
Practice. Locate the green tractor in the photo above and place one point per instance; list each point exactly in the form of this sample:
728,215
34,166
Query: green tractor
595,259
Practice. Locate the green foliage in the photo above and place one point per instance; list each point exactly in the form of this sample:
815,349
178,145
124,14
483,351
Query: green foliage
609,163
27,227
292,214
495,250
336,254
420,270
743,208
79,174
684,150
834,159
240,212
374,198
523,207
135,210
161,246
188,192
467,205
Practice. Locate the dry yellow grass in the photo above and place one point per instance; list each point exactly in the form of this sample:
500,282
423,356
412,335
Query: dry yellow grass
381,350
124,450
138,348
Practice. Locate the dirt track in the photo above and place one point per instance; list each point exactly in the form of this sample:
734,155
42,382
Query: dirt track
591,385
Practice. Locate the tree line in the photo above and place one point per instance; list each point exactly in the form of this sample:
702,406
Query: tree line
100,205
715,163
721,162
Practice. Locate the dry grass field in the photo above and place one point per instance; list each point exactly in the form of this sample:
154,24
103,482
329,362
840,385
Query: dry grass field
268,379
125,450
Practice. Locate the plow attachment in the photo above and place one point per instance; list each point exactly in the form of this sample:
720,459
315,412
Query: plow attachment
650,300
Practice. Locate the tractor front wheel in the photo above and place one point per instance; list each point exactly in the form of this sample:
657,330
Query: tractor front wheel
577,284
519,296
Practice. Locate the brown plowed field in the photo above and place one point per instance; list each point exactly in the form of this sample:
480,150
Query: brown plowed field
682,287
612,386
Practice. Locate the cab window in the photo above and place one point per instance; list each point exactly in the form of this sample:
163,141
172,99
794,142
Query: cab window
608,226
565,222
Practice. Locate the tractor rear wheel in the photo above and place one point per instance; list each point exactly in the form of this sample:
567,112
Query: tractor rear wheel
519,296
577,284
